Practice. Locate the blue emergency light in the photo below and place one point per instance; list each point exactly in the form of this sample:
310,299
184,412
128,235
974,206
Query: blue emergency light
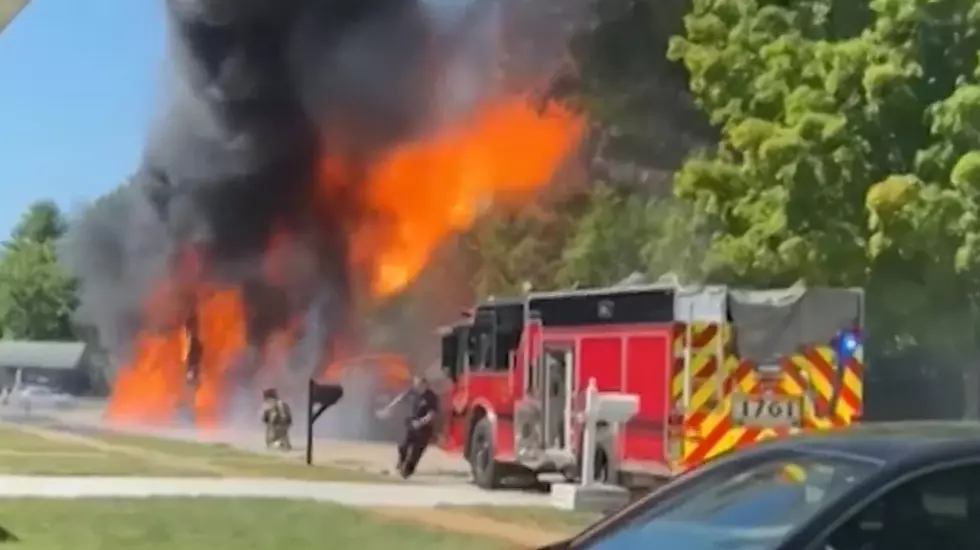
847,345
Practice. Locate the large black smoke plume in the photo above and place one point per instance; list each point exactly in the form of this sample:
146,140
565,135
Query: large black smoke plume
255,92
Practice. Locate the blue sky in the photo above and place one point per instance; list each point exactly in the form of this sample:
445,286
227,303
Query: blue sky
77,90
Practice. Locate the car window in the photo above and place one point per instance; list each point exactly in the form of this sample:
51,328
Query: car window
752,507
938,511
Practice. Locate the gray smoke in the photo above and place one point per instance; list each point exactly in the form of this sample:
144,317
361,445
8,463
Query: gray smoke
257,93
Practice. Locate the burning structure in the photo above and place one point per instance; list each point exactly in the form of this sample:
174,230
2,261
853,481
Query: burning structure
310,155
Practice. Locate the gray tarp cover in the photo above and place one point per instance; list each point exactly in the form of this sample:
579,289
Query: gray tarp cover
772,323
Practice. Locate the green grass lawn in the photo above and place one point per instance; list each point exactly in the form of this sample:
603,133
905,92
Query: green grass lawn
547,519
243,463
97,464
172,446
129,455
13,440
216,524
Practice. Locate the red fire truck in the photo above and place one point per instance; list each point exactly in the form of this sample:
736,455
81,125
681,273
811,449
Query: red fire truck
714,369
518,366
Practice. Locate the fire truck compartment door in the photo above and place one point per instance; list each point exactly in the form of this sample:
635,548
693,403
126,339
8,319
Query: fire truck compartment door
558,362
774,323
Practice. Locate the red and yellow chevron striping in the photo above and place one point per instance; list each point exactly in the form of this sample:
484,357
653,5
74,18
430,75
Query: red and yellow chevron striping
702,428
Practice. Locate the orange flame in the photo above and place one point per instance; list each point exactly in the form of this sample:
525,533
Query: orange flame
150,389
221,326
425,191
155,386
418,195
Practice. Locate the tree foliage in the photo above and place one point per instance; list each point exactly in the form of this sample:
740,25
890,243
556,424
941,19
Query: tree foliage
850,154
43,221
847,153
636,98
37,297
511,251
596,238
622,232
643,123
609,240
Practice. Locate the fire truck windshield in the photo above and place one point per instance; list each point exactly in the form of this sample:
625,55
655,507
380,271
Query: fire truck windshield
753,508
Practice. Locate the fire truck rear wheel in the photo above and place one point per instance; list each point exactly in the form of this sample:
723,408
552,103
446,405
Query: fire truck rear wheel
482,463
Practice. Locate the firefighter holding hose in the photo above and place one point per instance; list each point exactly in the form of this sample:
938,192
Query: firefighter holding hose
419,426
278,418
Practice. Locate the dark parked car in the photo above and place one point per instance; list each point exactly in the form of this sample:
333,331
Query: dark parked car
874,487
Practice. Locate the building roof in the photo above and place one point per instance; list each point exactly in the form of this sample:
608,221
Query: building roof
44,355
9,10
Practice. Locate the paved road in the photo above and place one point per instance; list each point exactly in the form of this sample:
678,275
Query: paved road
350,494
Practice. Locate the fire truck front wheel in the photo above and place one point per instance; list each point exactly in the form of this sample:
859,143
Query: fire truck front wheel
481,458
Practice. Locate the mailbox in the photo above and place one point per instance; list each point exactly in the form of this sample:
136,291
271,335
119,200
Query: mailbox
613,408
320,397
325,395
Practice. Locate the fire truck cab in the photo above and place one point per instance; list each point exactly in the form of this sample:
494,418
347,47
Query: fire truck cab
714,369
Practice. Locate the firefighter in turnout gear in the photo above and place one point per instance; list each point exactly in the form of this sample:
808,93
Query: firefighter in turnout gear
277,418
420,426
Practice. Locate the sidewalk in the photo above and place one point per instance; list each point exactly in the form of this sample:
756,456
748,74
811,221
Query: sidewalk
349,494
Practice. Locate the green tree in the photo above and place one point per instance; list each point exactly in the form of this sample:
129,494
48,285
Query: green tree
43,221
847,157
37,297
608,240
636,98
512,250
623,232
642,124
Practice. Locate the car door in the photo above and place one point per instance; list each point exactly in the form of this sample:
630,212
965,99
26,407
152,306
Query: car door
936,509
747,501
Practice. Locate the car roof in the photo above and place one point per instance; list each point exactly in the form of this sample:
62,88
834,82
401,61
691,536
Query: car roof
892,442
